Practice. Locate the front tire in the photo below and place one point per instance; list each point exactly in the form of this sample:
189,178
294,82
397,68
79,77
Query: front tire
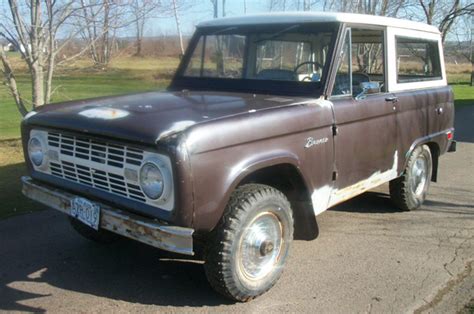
409,191
246,252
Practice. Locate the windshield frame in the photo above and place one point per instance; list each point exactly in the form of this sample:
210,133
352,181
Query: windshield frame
259,86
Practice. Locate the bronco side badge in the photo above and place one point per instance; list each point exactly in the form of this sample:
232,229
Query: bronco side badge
310,141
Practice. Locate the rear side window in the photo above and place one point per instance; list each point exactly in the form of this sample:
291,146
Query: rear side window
417,60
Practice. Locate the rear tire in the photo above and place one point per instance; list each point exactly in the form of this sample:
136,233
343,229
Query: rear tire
101,236
246,252
409,191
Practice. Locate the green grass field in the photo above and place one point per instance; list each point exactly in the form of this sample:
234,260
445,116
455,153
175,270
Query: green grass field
77,86
79,81
463,94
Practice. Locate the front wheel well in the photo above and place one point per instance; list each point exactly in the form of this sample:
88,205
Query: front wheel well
287,179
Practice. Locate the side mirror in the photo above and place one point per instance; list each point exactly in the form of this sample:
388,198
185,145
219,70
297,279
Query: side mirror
368,88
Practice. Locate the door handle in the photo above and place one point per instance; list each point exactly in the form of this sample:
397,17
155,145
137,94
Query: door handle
439,110
392,99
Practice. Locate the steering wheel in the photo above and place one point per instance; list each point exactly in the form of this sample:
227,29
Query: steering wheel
306,78
359,77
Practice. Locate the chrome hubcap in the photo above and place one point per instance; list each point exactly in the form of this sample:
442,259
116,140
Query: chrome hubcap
418,175
260,246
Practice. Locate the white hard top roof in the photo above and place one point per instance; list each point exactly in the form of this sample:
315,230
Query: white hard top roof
315,17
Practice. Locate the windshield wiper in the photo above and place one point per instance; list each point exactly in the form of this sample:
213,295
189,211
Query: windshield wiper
223,30
278,33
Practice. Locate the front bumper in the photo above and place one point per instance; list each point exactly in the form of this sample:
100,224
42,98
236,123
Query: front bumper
149,231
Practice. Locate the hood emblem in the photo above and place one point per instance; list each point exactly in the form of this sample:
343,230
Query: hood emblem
104,113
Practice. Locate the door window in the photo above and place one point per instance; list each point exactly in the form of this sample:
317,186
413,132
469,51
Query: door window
362,67
342,83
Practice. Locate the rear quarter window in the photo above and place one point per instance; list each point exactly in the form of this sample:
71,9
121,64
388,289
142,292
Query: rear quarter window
417,60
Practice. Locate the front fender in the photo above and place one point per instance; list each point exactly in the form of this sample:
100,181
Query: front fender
222,153
212,191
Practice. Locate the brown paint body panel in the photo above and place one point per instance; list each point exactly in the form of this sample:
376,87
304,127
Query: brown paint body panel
366,141
224,152
419,119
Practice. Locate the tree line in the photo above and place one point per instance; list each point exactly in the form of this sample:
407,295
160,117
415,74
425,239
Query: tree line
41,30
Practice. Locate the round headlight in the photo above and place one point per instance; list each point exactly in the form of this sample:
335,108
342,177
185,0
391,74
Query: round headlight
151,180
36,152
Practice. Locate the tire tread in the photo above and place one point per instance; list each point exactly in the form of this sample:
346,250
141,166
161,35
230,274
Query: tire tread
399,187
218,250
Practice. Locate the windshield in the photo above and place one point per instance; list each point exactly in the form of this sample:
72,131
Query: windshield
264,56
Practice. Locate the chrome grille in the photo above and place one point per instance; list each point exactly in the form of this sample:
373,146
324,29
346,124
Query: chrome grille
100,152
97,164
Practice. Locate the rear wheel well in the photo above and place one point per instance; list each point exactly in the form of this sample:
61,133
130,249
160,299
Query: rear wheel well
288,180
434,149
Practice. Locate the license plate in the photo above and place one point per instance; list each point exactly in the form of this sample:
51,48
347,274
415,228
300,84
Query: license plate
86,212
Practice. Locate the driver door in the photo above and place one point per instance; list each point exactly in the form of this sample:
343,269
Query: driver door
366,136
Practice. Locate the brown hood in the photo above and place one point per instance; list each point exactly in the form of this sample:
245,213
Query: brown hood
148,117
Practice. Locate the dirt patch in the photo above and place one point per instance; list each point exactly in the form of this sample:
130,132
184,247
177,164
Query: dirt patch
11,152
12,168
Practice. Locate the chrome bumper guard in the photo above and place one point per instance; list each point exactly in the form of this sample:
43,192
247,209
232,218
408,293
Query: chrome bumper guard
169,238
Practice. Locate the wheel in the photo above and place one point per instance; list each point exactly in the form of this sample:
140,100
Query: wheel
101,236
409,191
246,252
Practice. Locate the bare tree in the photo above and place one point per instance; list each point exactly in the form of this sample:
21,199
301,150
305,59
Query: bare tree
142,10
461,43
174,8
220,43
284,5
178,25
99,25
96,34
32,28
444,13
462,37
382,7
10,81
306,5
215,8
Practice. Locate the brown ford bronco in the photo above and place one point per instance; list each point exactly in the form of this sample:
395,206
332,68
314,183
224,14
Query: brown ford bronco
269,121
